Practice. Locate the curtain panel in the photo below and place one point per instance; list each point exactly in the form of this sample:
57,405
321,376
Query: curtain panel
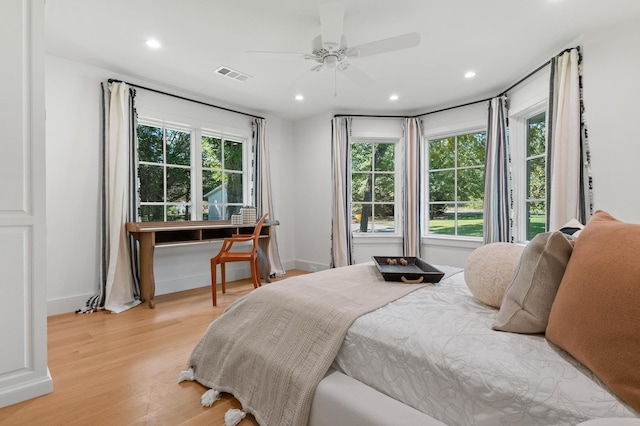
119,284
262,188
412,232
498,201
569,184
341,244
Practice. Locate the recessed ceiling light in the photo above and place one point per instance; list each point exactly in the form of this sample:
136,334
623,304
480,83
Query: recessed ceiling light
470,74
393,97
299,97
153,43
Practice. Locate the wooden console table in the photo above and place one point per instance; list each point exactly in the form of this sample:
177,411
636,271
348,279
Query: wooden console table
152,234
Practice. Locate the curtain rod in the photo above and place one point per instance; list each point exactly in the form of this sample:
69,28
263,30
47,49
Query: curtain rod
468,103
111,80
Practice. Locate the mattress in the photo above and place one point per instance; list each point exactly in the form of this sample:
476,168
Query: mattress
435,351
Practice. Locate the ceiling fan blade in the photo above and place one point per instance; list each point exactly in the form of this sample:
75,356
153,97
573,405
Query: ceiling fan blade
385,45
331,20
356,75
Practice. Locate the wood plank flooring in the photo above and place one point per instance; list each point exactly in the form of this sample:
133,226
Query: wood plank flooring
123,369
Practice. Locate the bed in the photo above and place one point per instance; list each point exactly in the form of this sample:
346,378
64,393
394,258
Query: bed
425,355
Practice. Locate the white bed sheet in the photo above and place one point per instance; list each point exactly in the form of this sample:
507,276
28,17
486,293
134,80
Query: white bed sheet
435,351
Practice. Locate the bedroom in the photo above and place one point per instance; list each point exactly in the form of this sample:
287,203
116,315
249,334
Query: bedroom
73,103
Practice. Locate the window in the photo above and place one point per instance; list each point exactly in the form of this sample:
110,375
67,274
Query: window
222,177
373,187
164,174
182,180
456,184
535,160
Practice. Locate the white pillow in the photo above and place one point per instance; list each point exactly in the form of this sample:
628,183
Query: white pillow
489,270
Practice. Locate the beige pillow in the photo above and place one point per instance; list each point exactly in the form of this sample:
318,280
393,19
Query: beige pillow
527,302
596,314
489,269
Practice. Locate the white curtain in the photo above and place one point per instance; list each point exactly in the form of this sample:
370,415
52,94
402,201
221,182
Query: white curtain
341,254
412,230
264,202
120,284
497,179
568,193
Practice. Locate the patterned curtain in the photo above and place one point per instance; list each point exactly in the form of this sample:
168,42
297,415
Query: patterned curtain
119,283
262,179
569,183
341,254
413,146
497,175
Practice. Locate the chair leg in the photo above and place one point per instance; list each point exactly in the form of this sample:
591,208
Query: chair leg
213,282
255,274
224,277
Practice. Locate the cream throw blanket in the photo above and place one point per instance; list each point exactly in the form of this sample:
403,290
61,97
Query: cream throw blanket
271,348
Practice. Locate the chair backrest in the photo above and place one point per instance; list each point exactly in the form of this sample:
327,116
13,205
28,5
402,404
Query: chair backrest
256,233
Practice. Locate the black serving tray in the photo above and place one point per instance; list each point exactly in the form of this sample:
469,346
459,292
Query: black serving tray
415,271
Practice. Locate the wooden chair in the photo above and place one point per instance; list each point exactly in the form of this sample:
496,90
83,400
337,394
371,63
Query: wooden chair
226,255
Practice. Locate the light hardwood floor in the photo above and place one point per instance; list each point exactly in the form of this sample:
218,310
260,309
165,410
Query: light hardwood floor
123,369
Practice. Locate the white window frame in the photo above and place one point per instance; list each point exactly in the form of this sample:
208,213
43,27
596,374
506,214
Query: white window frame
452,132
518,132
196,132
397,187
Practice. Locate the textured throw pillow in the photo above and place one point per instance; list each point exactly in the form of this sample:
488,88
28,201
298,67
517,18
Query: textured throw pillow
489,269
596,314
527,302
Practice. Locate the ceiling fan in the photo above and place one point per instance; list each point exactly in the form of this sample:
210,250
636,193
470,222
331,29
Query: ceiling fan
331,51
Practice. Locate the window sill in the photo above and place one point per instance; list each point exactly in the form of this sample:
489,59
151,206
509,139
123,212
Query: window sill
379,238
452,241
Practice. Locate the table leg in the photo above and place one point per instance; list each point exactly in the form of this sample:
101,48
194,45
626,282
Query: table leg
264,264
147,280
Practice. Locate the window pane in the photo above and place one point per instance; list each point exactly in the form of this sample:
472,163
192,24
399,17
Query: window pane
384,188
212,211
211,152
233,187
361,187
361,154
441,153
470,219
471,184
442,186
384,157
232,155
365,222
152,213
150,144
471,149
151,183
536,218
231,210
212,186
536,135
178,185
442,219
178,147
356,217
179,212
536,179
384,219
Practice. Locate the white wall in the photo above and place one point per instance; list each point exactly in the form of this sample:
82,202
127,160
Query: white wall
312,193
612,109
73,185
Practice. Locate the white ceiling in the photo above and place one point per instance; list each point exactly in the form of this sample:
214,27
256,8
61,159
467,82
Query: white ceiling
502,40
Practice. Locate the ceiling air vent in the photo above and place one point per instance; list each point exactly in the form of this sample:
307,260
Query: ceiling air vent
233,74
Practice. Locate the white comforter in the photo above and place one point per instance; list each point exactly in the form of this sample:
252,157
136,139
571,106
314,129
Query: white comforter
435,351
